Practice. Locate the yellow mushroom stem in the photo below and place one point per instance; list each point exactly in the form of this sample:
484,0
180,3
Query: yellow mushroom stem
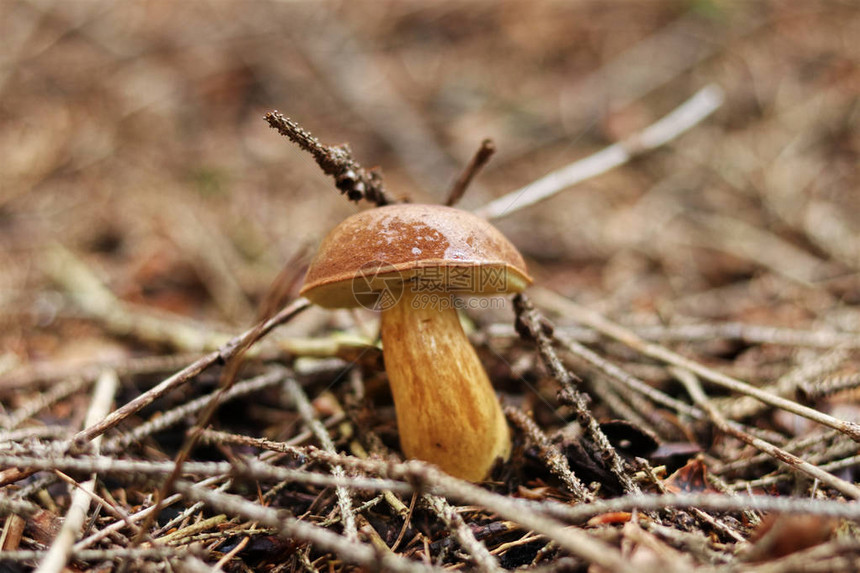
447,410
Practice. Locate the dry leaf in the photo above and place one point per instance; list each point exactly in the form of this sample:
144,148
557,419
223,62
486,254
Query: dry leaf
692,478
781,534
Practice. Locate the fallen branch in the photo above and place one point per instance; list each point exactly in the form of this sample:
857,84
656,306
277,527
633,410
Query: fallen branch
292,528
532,325
694,388
691,112
61,549
186,374
306,411
253,469
628,337
482,558
479,160
351,179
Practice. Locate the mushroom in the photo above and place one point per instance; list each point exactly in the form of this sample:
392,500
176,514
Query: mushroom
409,261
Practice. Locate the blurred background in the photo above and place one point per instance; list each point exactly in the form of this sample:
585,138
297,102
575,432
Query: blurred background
132,135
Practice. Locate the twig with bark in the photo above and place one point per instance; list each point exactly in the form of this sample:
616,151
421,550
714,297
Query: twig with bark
351,179
690,113
551,454
303,405
694,388
61,549
663,354
222,355
479,160
533,326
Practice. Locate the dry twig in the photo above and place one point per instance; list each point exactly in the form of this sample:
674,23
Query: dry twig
624,335
691,383
258,470
690,113
174,416
61,549
292,528
550,453
303,405
479,160
480,556
222,355
531,325
352,179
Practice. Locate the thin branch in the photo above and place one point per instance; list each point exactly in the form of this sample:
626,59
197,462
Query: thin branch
306,411
292,528
707,332
768,481
61,549
482,558
117,554
479,160
629,338
694,388
550,453
225,353
707,501
532,325
350,177
794,446
215,437
786,386
751,334
176,415
690,113
251,469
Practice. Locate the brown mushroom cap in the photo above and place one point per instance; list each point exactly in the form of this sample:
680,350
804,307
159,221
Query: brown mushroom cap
455,250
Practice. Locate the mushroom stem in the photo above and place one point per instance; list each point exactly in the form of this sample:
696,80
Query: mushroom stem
447,410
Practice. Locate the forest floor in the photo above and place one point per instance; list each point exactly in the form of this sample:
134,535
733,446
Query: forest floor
682,381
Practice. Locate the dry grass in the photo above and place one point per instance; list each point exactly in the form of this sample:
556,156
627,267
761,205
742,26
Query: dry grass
694,407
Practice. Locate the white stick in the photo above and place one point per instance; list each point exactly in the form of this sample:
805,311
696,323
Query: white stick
61,549
691,112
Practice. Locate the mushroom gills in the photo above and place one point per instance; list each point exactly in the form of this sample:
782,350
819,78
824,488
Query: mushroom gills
447,410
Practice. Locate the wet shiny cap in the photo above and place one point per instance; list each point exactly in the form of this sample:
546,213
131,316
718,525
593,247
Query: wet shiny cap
434,248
